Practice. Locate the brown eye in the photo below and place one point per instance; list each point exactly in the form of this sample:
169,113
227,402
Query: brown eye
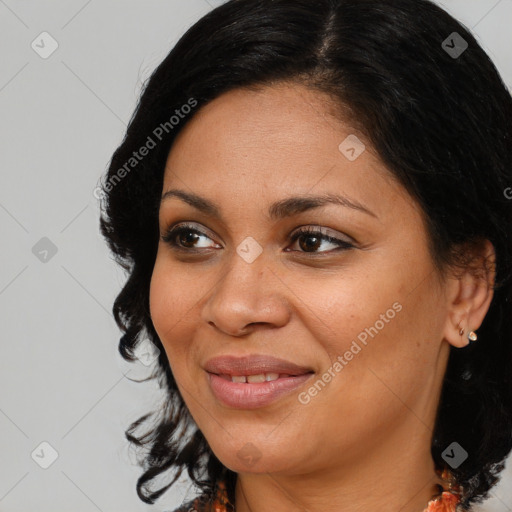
310,239
184,237
187,237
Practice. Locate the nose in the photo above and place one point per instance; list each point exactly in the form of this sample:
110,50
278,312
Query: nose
247,296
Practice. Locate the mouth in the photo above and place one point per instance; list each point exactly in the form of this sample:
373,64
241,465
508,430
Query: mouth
254,381
253,365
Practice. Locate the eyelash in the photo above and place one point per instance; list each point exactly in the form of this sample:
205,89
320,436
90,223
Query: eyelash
172,233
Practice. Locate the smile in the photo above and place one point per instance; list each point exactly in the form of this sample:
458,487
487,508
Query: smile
251,395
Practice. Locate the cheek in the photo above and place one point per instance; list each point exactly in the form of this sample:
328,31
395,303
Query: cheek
377,322
172,298
351,307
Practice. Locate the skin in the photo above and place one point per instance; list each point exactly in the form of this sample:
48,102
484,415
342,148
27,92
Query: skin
368,431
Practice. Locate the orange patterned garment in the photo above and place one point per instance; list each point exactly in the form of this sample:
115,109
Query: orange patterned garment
446,503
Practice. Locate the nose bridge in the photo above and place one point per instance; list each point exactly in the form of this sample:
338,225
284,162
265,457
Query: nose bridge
247,292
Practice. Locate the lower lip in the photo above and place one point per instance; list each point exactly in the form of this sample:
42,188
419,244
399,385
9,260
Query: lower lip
242,395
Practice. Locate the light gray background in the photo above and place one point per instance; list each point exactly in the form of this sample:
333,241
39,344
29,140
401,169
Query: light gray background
61,378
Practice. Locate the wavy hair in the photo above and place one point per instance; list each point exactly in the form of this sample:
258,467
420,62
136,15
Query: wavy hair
441,124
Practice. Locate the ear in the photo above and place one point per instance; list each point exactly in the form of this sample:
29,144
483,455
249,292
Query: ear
470,295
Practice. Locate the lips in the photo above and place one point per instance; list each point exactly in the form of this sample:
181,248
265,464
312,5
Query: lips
253,381
253,365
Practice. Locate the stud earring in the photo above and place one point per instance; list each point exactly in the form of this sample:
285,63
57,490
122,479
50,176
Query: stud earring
472,336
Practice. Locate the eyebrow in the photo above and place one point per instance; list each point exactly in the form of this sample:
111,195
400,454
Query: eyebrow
278,210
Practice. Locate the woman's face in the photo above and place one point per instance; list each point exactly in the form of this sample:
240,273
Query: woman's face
361,315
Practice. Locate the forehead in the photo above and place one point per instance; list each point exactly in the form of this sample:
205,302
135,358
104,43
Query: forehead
285,115
271,142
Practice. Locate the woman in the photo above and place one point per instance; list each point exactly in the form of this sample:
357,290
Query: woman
369,368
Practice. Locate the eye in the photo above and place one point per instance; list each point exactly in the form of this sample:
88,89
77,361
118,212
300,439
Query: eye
316,236
184,237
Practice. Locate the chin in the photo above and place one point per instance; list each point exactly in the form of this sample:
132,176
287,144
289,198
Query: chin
258,456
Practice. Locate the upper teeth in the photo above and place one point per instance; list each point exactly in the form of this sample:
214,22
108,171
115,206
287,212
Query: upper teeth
261,377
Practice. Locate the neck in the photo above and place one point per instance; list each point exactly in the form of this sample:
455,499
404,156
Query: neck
404,480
